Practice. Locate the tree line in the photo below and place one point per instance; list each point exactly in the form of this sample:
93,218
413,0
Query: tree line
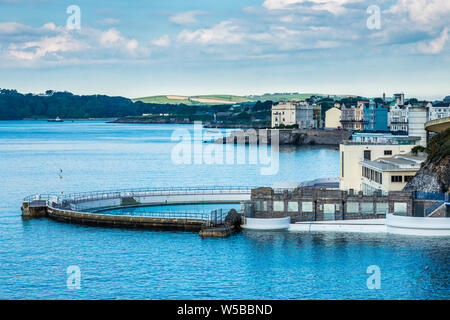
17,106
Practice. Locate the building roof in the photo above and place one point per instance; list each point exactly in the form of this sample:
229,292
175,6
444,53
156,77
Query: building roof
396,163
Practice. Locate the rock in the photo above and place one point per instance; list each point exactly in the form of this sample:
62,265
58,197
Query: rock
431,177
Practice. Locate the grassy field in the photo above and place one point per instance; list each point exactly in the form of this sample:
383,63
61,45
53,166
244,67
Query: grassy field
195,100
215,99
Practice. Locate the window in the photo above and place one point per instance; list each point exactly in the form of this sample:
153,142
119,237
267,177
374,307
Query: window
400,208
367,207
264,206
342,162
388,152
293,206
278,206
408,178
367,154
352,207
307,206
396,179
382,207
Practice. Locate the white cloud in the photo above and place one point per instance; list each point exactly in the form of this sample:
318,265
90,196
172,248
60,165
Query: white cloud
422,11
50,44
333,6
113,38
226,32
436,45
47,45
164,41
9,28
186,18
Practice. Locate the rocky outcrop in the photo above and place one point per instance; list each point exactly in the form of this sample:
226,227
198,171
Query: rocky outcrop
287,137
432,177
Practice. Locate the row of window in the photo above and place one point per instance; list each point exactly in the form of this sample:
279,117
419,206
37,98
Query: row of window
372,175
401,179
307,206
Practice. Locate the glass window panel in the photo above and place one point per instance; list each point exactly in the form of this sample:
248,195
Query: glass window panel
307,206
278,206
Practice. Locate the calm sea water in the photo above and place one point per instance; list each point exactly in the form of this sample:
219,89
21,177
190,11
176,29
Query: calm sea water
132,264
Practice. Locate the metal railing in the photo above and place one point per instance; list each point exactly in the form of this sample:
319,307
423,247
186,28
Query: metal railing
430,196
216,217
70,201
433,207
139,192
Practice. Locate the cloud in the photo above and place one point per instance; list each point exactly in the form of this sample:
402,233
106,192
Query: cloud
49,45
226,32
186,18
164,41
9,28
422,11
25,46
333,6
436,45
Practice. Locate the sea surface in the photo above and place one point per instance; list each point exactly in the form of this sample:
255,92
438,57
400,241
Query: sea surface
131,264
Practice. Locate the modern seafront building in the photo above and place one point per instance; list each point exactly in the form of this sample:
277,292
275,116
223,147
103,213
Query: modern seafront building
293,113
368,146
389,173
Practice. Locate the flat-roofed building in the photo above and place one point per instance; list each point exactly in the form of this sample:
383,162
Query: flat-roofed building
352,153
389,173
386,137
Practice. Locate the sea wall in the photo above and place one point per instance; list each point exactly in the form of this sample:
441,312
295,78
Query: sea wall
287,137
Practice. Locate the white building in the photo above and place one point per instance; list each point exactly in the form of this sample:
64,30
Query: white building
417,116
389,173
293,112
398,117
438,111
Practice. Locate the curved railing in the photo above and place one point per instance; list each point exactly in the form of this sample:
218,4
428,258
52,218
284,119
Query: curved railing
69,200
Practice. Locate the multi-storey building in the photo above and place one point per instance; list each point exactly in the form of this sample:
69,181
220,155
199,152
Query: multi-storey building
293,113
352,153
352,117
417,116
389,173
398,117
438,110
333,118
375,116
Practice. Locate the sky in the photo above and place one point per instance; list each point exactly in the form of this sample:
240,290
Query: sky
145,47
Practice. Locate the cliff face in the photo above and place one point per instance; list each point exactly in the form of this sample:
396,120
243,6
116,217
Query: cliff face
434,175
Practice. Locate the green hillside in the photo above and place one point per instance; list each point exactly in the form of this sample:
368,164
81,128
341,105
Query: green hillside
195,100
215,99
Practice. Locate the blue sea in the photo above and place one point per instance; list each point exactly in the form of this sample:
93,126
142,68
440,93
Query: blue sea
134,264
